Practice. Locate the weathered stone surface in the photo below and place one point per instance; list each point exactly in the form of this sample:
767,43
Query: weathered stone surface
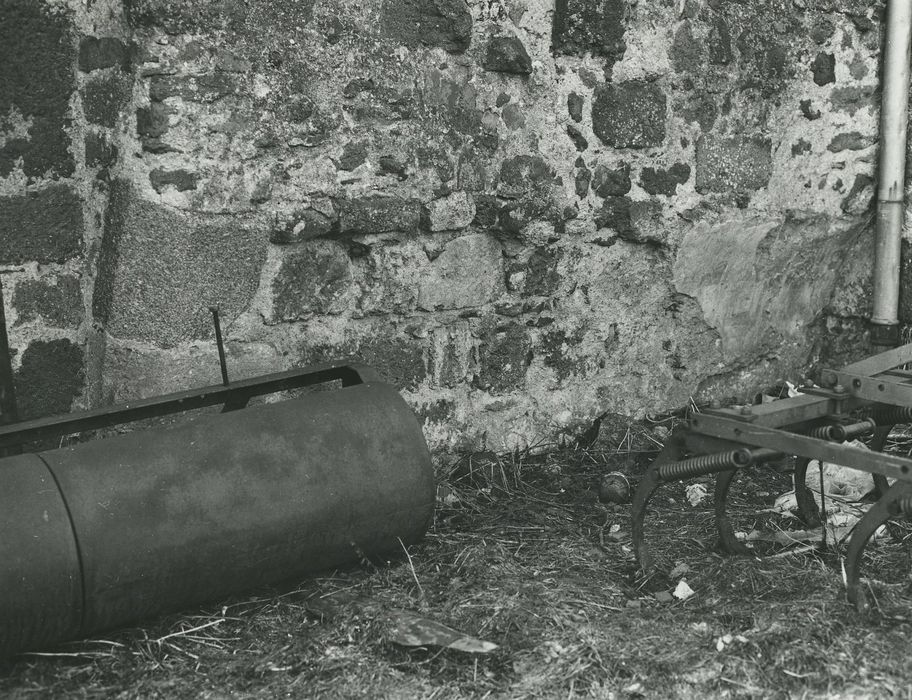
160,270
103,52
455,211
852,98
58,302
181,180
46,226
733,164
443,23
104,97
513,117
728,268
611,182
50,377
467,273
615,214
629,115
506,54
204,88
378,214
542,276
589,26
861,197
824,68
37,57
314,279
664,181
720,45
302,226
581,181
504,357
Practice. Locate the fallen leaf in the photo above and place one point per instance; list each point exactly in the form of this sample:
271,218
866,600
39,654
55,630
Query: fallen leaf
411,630
679,570
663,596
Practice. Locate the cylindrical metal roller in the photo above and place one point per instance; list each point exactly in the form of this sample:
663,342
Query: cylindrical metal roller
105,533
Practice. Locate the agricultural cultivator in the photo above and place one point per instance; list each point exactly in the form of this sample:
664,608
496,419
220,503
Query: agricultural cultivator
864,399
99,534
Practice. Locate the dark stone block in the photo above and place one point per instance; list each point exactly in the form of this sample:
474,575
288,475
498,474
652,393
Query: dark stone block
800,147
629,115
733,164
808,111
611,182
589,26
824,68
402,361
720,47
50,377
442,23
506,54
45,226
99,152
504,357
185,263
615,214
486,208
58,303
513,117
104,97
394,166
36,80
303,226
556,348
181,180
378,214
849,141
152,121
313,280
575,104
542,278
664,181
578,139
687,54
103,52
353,154
177,16
581,182
524,175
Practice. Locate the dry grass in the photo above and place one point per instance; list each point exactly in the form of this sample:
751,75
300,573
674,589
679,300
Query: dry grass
522,554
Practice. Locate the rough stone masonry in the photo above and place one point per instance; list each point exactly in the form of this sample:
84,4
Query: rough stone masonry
525,213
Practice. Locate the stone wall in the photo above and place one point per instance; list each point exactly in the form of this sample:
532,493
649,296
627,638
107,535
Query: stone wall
526,213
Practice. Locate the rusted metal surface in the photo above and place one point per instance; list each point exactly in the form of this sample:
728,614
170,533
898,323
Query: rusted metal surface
866,397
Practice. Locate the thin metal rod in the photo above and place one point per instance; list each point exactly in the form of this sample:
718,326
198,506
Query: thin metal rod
893,122
218,341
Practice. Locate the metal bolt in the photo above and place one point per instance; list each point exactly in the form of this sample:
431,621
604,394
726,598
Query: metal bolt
839,389
828,378
746,410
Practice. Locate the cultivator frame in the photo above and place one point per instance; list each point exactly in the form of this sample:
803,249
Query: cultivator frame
865,398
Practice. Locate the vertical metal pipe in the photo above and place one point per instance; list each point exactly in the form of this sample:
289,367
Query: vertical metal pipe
893,122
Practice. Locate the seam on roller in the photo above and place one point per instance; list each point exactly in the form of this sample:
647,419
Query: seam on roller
82,581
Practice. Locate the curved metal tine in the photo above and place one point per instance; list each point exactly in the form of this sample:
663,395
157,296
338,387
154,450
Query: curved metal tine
878,441
888,507
807,506
671,452
727,540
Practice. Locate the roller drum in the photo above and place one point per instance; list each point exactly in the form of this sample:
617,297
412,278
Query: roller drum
164,519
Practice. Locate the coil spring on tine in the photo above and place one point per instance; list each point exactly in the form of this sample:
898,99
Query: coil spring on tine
904,505
892,414
833,433
704,464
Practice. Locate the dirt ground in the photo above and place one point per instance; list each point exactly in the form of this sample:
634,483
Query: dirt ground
522,554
